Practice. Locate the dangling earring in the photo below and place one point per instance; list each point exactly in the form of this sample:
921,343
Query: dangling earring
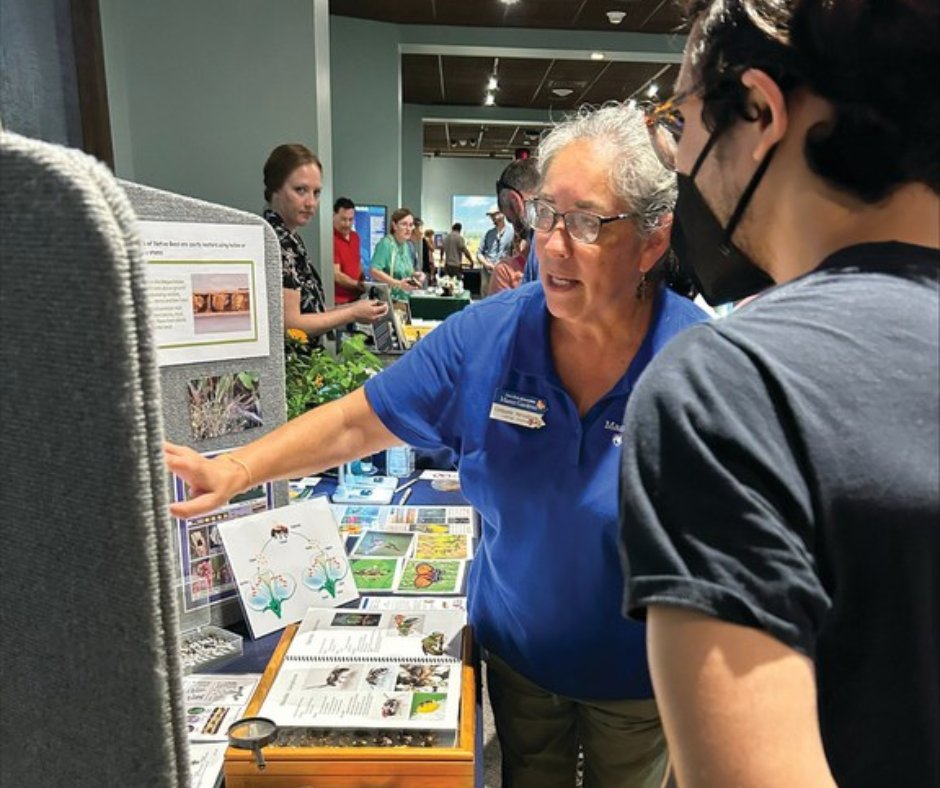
641,287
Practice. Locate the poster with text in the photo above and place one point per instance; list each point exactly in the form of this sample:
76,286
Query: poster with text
206,288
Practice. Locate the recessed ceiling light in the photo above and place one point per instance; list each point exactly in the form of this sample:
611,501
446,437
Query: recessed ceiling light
616,17
597,56
652,90
490,100
562,92
492,84
509,2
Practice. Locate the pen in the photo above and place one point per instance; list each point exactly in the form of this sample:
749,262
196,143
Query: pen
406,485
404,497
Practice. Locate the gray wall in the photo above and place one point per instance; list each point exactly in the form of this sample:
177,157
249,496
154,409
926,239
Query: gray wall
444,177
38,90
366,88
200,92
412,147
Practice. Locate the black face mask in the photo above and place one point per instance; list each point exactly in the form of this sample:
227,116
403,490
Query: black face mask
720,270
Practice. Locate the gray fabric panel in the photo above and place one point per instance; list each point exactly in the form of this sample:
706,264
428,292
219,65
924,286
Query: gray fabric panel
90,678
157,205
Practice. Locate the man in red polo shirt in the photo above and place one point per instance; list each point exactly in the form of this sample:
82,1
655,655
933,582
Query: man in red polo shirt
346,250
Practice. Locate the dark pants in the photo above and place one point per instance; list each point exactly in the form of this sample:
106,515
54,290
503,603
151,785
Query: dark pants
540,734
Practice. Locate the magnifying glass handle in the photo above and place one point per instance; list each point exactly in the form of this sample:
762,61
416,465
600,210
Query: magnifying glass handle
259,757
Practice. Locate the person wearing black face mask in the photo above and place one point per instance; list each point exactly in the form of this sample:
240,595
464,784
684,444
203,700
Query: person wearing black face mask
780,499
704,248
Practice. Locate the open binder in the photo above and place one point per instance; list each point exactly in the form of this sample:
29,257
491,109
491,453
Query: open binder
362,669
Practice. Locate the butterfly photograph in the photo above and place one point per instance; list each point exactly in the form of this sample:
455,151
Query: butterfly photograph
431,577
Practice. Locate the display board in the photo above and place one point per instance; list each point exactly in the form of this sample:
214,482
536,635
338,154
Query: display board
371,223
470,210
217,287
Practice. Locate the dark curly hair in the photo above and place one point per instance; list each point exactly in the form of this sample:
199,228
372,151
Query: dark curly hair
875,61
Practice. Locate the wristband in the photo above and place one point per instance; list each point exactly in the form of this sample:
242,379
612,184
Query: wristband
241,464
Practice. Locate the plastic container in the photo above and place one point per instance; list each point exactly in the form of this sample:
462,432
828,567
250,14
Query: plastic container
400,461
207,647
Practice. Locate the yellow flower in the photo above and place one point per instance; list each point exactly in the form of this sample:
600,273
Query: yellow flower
298,335
318,381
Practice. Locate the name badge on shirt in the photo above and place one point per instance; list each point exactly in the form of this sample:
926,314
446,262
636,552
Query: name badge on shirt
519,409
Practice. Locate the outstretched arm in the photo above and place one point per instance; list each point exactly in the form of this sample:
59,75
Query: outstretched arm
315,323
738,706
327,436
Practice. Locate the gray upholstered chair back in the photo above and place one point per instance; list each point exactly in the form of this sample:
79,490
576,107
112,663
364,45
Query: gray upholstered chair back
90,681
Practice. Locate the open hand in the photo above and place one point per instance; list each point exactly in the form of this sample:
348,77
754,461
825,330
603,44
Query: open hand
211,482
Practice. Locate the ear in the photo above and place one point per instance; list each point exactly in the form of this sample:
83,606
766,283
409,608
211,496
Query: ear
656,244
770,106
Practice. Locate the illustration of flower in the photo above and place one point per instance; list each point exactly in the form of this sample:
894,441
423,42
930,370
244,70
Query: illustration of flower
323,574
268,590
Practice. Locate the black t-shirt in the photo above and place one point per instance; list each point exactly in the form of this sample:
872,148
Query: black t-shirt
783,473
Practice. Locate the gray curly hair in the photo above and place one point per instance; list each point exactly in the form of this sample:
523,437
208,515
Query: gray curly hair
637,176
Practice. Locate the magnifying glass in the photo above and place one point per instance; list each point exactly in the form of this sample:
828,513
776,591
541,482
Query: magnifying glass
253,733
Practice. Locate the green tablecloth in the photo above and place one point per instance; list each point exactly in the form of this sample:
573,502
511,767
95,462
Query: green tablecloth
426,306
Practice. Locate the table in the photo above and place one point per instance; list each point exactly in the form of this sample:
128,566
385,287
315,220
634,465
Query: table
465,760
427,306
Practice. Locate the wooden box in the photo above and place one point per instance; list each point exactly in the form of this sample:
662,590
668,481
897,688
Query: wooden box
359,767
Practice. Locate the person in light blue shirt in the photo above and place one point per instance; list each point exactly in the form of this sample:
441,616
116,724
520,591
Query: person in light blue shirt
496,244
528,389
531,271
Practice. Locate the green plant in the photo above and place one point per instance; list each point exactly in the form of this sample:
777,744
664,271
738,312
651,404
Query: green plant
315,377
223,404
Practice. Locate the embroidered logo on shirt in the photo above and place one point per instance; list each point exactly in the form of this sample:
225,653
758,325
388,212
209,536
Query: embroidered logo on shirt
614,427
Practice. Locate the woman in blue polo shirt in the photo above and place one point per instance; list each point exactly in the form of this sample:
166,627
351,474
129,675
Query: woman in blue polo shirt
528,389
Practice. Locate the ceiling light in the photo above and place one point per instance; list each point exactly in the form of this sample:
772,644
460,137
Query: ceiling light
509,2
490,100
597,56
492,84
652,90
562,92
616,17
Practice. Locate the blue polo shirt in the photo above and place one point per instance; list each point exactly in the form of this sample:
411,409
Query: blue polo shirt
546,585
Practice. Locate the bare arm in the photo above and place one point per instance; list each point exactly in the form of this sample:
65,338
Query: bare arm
314,324
738,706
345,280
324,437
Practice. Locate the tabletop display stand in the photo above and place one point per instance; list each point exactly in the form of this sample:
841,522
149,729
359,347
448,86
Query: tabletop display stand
355,766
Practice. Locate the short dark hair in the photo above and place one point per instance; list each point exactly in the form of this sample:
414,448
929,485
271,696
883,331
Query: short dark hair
874,61
343,204
282,161
456,227
521,175
418,222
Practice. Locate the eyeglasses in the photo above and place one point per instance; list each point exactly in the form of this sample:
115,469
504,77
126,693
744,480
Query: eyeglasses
582,226
665,123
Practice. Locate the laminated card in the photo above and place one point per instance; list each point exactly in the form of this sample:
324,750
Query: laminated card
285,561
